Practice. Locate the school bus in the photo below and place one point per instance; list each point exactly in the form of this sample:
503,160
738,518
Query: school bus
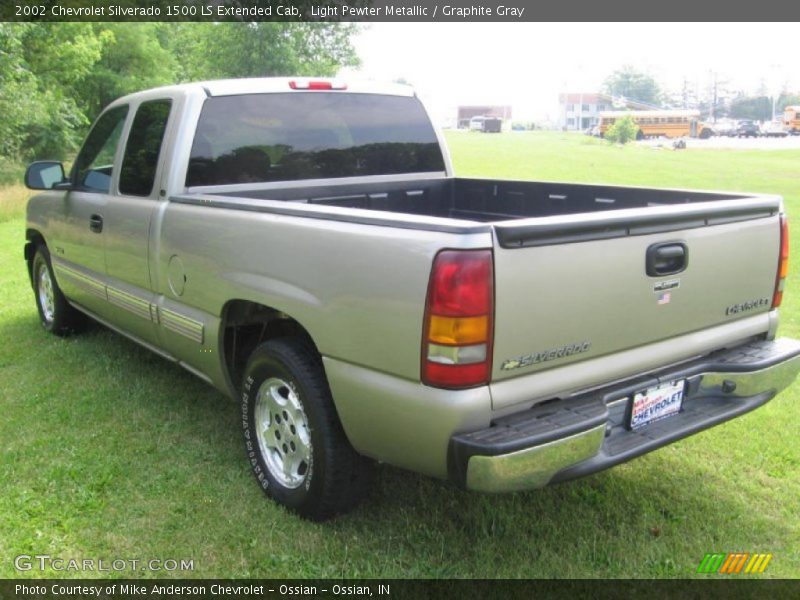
791,119
656,123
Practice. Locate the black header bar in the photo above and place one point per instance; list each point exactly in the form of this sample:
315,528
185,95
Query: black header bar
401,10
392,589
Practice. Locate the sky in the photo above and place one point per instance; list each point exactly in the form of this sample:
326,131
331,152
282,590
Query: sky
527,65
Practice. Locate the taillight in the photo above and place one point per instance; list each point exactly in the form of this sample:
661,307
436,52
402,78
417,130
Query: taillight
783,264
459,314
309,84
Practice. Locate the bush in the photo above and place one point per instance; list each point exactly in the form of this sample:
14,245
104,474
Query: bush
622,131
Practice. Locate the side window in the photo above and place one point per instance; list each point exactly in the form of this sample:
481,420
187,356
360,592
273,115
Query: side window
144,145
95,163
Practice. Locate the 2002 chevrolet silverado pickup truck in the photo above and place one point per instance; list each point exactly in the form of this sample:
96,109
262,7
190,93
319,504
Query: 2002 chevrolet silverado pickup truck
303,246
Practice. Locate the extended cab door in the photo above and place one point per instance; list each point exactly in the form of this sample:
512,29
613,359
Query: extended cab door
127,221
78,240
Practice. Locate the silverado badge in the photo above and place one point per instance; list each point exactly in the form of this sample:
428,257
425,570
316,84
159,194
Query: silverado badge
527,360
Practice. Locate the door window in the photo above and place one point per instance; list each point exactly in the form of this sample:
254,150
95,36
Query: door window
95,164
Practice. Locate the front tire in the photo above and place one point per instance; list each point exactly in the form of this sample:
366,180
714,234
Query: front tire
55,314
295,443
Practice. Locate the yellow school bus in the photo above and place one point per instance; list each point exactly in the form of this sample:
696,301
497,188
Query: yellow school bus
791,119
658,123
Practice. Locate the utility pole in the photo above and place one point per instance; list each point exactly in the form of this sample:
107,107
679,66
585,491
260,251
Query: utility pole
716,84
685,93
714,97
775,70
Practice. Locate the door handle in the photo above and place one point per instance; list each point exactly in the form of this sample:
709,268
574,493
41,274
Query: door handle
667,258
96,223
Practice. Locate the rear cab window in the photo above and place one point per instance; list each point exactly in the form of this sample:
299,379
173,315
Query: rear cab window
315,135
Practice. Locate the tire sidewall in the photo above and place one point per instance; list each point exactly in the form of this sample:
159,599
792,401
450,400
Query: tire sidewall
263,365
41,260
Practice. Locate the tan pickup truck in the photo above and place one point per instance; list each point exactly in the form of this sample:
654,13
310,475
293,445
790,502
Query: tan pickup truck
304,246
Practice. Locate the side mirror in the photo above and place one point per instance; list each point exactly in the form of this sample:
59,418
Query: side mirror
45,175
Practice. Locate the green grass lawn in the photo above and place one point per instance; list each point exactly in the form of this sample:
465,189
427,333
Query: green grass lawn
110,452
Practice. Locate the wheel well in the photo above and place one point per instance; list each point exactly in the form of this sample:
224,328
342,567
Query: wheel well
246,325
35,239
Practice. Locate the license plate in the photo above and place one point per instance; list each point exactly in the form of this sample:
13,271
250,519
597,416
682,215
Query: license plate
656,403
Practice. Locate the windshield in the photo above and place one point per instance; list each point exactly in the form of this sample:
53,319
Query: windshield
312,135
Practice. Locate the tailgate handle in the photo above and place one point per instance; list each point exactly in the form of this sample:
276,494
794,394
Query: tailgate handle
666,258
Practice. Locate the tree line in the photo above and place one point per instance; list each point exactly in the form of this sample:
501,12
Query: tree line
718,101
55,78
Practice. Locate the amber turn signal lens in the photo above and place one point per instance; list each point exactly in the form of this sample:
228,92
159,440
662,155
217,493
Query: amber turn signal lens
458,330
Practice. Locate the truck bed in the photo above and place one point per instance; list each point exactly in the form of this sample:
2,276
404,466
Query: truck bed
480,200
554,290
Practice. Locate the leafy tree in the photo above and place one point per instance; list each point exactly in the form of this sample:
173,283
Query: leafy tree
132,59
758,108
40,67
55,78
787,100
622,131
216,50
633,85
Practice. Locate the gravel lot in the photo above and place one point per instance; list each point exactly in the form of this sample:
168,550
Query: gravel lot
759,143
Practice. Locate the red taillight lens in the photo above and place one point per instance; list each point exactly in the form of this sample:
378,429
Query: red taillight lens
459,284
317,85
783,264
456,376
459,314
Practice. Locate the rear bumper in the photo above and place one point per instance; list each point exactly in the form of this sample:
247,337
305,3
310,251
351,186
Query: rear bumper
577,436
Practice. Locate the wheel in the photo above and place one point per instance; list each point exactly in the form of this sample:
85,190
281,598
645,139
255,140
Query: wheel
55,313
295,443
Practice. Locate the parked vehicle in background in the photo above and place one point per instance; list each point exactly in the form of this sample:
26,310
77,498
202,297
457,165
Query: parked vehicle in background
747,128
791,119
486,124
476,123
304,246
725,128
773,129
492,125
660,123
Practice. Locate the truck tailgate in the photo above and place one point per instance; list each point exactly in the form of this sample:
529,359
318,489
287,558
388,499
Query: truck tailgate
574,288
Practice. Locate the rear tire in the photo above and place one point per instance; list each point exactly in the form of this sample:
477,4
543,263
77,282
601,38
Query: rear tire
295,443
55,314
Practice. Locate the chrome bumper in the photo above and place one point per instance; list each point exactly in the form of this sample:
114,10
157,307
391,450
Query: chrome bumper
584,434
533,467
